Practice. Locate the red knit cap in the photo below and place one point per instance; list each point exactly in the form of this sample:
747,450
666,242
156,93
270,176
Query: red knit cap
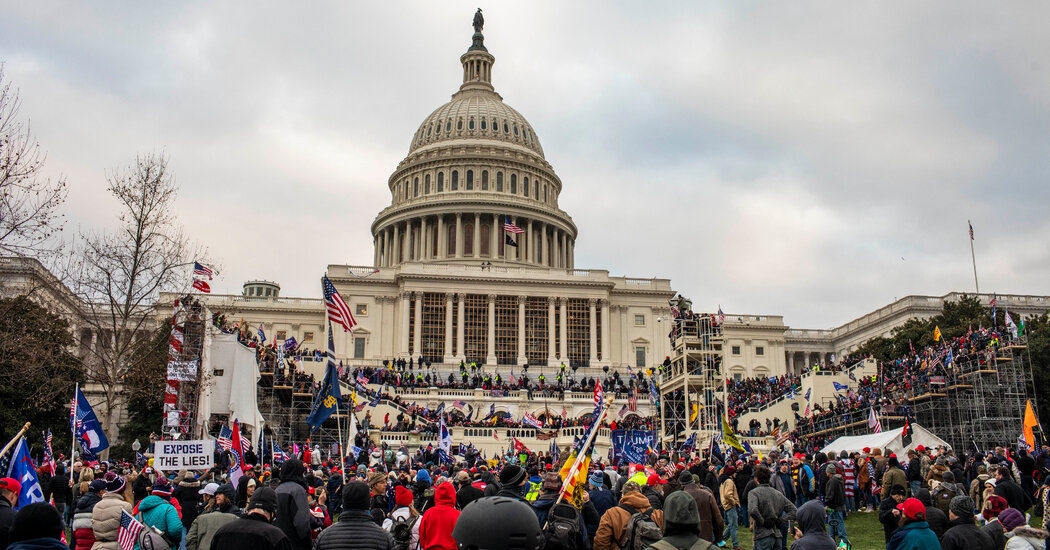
402,496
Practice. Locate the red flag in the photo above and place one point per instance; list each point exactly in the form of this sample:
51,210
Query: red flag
202,286
519,446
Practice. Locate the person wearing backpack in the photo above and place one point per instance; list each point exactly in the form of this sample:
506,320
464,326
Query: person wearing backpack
355,529
632,524
681,528
403,522
944,492
560,522
157,512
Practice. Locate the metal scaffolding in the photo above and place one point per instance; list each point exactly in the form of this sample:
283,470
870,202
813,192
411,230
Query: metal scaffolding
691,379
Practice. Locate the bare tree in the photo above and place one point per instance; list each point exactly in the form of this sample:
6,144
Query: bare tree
30,219
124,273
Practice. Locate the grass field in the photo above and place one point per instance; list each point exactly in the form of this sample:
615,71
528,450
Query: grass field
863,529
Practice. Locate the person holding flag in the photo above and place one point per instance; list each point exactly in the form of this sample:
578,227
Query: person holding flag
87,430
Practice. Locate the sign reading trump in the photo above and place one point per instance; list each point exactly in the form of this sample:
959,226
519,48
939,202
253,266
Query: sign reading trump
171,456
630,446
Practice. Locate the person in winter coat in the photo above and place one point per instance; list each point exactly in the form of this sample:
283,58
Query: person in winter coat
889,514
380,505
613,524
1019,535
58,488
711,522
105,517
156,511
423,491
653,490
602,498
187,493
513,481
404,514
466,492
730,503
1006,487
681,528
835,499
293,507
935,517
37,526
223,511
914,532
963,533
894,474
769,511
83,535
435,529
809,531
355,528
253,531
993,526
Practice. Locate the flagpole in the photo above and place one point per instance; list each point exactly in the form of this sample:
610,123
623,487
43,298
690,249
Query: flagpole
15,439
73,425
973,258
584,450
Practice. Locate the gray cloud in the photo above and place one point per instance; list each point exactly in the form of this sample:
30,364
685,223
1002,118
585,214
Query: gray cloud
771,158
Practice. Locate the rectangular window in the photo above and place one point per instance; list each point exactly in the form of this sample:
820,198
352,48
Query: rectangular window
361,309
536,331
639,356
759,350
578,327
736,350
475,328
216,372
282,336
639,320
433,327
308,336
738,376
359,348
506,330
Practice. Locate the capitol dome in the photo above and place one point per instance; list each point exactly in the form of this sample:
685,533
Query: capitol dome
475,186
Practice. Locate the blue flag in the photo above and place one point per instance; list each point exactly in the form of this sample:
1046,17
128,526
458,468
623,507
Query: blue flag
716,452
808,392
87,428
22,469
690,443
840,387
948,359
329,398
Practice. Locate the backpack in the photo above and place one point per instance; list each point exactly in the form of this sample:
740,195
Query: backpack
402,532
150,538
641,530
563,528
700,544
942,498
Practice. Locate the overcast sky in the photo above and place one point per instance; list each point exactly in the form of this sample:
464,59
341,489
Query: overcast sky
814,160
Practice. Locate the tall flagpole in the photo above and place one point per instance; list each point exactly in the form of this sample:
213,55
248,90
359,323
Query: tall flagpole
73,426
973,258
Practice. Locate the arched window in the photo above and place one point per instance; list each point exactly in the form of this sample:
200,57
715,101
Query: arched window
416,189
429,128
545,192
515,130
499,182
470,180
459,124
506,129
513,184
441,182
484,180
448,125
468,238
486,229
525,186
536,189
483,124
470,124
451,240
426,183
455,180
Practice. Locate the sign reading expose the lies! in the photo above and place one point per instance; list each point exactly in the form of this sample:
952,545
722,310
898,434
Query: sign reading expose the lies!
171,456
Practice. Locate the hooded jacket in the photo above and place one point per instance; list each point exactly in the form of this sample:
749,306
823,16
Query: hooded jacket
935,517
105,521
681,529
437,523
188,494
613,524
1027,538
811,518
768,508
835,493
82,533
206,525
293,509
159,513
355,530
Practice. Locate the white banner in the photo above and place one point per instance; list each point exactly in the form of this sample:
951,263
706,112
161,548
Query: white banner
185,371
172,456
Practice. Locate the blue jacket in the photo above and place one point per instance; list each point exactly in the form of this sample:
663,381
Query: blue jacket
159,513
913,536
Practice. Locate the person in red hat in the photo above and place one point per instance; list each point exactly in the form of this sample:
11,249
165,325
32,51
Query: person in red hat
9,490
654,491
403,522
914,532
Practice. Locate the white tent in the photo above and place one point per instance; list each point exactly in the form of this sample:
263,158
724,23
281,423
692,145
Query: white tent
888,440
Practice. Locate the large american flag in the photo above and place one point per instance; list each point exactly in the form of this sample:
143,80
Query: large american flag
128,533
508,226
49,457
201,269
225,439
338,311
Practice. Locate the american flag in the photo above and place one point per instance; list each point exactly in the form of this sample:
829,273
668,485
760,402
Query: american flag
338,311
510,227
225,440
203,270
49,456
873,421
529,420
458,404
632,401
721,316
599,394
128,534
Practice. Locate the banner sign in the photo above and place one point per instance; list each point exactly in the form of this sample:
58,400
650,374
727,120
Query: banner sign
937,380
630,446
172,456
185,371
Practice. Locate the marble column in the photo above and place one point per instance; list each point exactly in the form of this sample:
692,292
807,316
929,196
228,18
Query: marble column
396,257
572,253
551,357
564,330
460,347
531,255
490,355
476,236
544,252
522,359
442,252
448,328
417,346
593,360
494,237
459,235
403,347
606,322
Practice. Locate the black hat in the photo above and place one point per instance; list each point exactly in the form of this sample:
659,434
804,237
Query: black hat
511,475
519,528
356,496
264,499
686,477
228,491
898,490
36,521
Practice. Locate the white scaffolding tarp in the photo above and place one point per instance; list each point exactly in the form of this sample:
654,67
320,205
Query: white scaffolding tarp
888,440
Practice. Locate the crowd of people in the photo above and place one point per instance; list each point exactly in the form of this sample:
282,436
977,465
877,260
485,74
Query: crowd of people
926,498
746,393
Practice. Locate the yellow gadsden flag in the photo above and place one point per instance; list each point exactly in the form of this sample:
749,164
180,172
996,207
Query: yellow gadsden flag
728,436
1030,421
936,334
